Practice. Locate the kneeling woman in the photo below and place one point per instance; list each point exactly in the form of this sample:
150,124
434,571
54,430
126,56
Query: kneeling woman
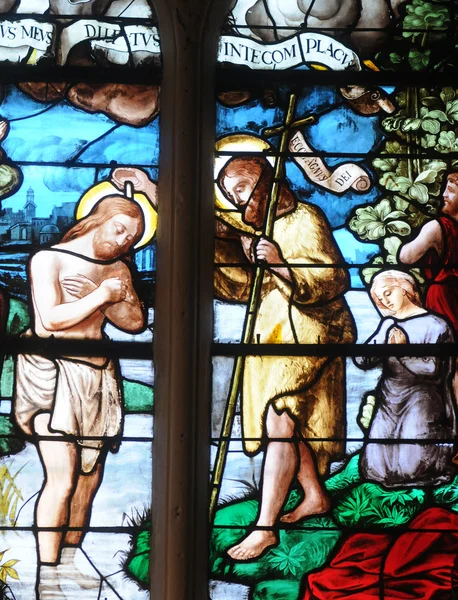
414,395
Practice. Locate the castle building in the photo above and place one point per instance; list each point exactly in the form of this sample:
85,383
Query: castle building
30,208
23,226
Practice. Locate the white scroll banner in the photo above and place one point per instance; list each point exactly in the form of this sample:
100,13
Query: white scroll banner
140,44
344,177
118,44
18,37
303,48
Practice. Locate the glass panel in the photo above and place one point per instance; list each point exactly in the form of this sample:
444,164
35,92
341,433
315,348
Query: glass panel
412,35
77,273
333,416
107,33
382,437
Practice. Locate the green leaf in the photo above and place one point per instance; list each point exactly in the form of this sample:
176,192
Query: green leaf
447,94
384,164
396,183
369,272
431,125
428,176
452,110
375,231
395,214
400,203
391,245
419,60
411,124
430,101
394,147
428,140
299,549
392,123
398,227
419,192
436,165
395,58
446,141
437,114
383,209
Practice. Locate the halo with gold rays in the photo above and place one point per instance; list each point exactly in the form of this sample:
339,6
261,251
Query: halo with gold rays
101,190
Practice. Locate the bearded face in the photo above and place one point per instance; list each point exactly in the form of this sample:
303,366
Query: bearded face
450,198
240,189
114,237
79,7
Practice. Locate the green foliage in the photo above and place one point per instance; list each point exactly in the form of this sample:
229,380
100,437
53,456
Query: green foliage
370,505
424,15
420,42
299,550
138,397
13,442
345,478
18,317
137,561
10,495
6,569
276,589
308,545
425,118
290,560
375,221
447,494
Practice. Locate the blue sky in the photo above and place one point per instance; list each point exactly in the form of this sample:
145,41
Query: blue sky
58,135
338,129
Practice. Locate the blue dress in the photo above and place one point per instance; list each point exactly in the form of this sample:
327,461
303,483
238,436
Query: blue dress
414,402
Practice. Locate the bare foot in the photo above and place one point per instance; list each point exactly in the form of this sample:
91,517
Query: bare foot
253,545
307,508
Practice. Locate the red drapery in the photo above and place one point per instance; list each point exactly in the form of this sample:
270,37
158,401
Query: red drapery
418,563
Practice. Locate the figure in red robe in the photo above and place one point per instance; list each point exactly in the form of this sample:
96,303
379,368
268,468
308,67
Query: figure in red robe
437,242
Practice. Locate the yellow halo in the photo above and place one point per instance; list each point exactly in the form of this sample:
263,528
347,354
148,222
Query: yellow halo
105,188
237,143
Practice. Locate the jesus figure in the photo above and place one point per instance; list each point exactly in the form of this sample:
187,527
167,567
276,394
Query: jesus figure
73,405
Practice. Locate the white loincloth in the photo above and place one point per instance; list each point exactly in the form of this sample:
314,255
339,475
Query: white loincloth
84,401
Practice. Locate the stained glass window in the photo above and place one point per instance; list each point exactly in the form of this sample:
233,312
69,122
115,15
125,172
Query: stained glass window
84,33
78,187
333,468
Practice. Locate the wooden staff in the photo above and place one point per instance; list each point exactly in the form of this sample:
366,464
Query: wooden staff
254,300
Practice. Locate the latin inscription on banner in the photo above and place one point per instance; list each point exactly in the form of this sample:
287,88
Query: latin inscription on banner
29,41
26,39
304,48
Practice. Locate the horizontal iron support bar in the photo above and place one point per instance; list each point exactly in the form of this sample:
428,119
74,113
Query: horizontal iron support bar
336,350
58,347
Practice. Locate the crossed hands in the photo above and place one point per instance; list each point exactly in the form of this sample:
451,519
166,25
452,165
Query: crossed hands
113,289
